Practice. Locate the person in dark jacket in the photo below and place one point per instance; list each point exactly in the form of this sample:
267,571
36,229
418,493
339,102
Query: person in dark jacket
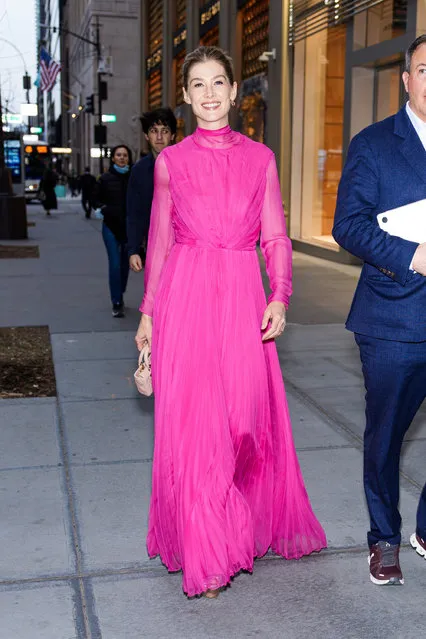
87,185
47,190
110,195
159,127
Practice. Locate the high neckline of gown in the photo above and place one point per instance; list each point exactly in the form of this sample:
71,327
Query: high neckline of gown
223,138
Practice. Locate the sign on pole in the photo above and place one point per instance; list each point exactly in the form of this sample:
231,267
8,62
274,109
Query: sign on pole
29,109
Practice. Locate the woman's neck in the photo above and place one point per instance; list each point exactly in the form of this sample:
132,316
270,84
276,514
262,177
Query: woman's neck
213,126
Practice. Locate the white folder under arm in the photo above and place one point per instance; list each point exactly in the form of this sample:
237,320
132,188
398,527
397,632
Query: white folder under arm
407,222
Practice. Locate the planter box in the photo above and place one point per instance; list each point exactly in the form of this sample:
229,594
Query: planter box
13,218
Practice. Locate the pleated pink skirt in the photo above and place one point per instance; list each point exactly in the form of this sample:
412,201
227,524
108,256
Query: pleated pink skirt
226,482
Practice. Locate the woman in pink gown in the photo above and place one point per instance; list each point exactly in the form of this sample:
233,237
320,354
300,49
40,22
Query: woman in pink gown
226,483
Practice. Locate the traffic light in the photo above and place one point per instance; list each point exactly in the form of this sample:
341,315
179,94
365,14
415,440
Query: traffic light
90,104
100,134
103,90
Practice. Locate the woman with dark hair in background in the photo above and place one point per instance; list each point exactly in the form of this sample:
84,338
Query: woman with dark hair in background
47,189
110,195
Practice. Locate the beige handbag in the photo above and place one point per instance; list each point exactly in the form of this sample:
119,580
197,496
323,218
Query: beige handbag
143,378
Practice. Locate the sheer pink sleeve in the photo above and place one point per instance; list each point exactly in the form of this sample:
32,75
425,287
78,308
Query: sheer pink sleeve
161,235
274,242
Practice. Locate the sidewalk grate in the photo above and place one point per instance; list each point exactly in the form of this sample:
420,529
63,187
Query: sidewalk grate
8,252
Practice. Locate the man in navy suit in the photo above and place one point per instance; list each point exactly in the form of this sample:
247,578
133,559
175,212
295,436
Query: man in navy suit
159,127
386,169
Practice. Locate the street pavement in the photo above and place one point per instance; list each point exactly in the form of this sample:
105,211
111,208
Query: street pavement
75,470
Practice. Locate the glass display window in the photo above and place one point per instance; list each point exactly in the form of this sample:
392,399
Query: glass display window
319,82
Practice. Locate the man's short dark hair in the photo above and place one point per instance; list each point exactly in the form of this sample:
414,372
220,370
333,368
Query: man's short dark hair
411,50
87,169
163,116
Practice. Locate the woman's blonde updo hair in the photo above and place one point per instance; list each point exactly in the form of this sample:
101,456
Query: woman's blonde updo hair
204,54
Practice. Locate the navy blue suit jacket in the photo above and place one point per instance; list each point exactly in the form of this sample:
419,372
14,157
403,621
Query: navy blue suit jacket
140,192
385,169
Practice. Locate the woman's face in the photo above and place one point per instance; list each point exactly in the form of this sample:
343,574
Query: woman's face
210,94
121,157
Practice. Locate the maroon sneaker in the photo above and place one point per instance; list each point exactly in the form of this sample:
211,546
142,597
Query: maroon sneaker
418,544
384,564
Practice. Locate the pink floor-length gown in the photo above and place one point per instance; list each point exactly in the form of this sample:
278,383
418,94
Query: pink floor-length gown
226,482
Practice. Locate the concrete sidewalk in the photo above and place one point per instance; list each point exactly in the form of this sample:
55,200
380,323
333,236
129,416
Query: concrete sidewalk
75,471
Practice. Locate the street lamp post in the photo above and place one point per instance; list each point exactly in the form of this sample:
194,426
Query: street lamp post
26,78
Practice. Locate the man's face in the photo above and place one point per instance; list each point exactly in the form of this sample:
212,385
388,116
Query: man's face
159,136
415,82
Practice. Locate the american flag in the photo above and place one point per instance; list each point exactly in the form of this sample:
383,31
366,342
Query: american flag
49,70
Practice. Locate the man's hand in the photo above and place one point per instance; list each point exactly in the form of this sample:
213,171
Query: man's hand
275,314
419,259
135,263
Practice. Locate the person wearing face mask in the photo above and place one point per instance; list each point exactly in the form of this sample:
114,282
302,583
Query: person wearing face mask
110,195
226,481
159,127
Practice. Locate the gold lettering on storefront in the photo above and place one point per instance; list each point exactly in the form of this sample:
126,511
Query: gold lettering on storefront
210,13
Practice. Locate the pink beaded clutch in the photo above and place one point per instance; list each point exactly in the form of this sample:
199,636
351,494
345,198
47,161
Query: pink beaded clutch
143,378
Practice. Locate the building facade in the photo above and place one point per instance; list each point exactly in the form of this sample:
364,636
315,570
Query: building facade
311,74
348,59
116,63
333,67
48,104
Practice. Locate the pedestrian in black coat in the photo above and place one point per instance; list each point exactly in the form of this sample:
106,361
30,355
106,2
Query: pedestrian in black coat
87,184
47,190
110,195
159,127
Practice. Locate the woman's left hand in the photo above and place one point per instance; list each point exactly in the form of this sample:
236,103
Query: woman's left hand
275,314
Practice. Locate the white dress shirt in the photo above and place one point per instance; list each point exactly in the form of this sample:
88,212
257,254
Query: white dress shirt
420,128
418,124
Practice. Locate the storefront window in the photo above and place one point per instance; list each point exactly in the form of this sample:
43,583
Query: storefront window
384,21
389,84
211,38
318,132
155,43
377,93
254,18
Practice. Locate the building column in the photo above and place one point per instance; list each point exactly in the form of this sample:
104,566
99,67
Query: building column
192,25
167,61
192,42
227,24
279,98
143,56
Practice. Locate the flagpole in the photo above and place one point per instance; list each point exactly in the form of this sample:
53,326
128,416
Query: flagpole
97,45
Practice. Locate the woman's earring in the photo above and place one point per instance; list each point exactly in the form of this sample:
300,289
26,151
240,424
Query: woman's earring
233,103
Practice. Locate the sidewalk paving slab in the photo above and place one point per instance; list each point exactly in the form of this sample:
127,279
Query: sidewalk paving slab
334,483
112,509
28,435
34,533
109,430
94,346
106,379
38,612
319,597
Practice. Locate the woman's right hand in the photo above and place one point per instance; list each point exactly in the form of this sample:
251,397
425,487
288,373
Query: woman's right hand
144,332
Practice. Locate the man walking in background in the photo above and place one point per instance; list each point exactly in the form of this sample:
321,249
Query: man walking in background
87,185
385,170
159,127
